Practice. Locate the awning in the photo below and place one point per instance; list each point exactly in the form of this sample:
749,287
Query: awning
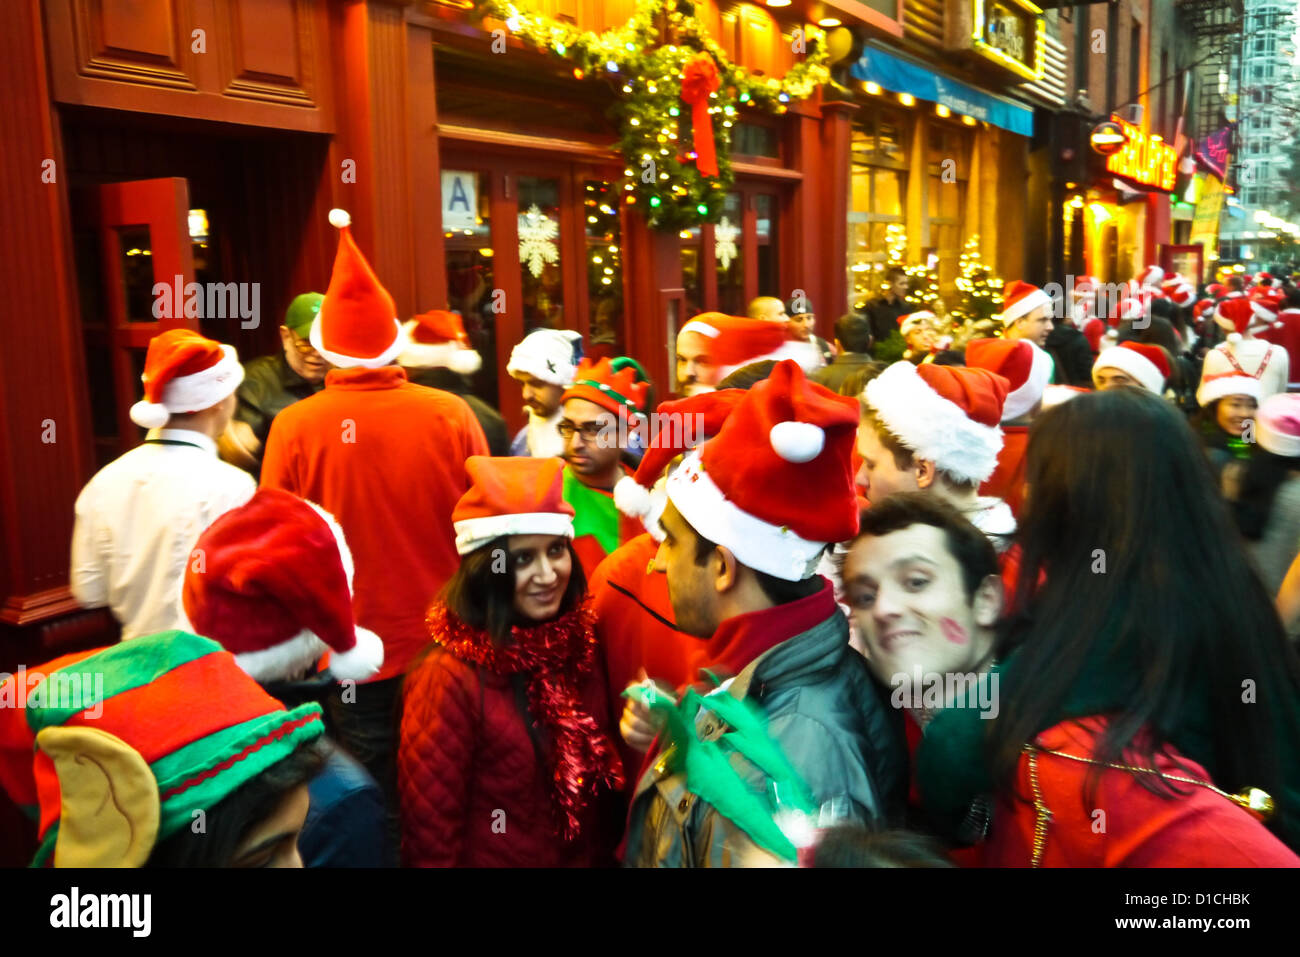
907,76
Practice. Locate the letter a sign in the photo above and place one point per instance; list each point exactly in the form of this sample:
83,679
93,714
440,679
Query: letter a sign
459,200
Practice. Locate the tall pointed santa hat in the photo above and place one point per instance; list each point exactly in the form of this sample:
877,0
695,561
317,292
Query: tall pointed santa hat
1150,277
1148,364
948,415
1026,367
775,485
272,581
357,324
437,340
513,495
1019,299
736,341
184,372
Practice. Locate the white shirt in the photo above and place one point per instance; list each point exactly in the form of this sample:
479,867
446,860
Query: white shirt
994,518
138,520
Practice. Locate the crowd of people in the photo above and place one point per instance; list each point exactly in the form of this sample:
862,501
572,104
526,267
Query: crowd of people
1023,603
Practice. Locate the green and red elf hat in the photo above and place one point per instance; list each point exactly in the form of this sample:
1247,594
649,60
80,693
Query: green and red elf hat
115,750
619,385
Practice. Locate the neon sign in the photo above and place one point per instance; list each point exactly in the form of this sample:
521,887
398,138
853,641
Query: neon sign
1144,159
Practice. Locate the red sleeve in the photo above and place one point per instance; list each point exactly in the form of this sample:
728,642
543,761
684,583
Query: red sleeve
435,760
276,472
475,440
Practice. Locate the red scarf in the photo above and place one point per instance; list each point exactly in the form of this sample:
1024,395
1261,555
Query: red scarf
555,656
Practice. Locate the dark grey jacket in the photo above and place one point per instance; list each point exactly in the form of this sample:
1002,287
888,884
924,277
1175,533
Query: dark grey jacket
825,712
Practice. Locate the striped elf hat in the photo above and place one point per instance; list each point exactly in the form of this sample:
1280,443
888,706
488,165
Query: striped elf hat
114,750
619,385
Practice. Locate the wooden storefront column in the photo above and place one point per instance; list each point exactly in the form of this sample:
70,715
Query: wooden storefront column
837,134
807,241
653,267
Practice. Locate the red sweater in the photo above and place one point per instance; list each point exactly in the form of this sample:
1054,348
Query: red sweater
1008,480
386,457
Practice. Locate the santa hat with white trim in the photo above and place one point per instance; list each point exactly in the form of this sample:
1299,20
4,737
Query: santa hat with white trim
1019,299
1219,385
1241,315
948,415
1277,425
736,341
1026,367
914,320
1178,291
357,324
514,495
775,485
1150,278
437,340
272,582
184,372
1146,363
1086,286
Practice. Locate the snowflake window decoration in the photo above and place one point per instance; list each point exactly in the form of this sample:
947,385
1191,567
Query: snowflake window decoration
724,242
537,233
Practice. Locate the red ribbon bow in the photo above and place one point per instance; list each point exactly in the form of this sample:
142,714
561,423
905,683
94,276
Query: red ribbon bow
699,79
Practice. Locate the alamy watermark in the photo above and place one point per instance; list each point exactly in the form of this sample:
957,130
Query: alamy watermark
210,300
930,691
71,690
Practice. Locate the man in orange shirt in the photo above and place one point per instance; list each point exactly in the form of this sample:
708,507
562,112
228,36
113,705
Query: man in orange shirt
1028,369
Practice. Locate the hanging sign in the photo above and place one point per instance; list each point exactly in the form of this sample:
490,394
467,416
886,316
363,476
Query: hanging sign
1144,159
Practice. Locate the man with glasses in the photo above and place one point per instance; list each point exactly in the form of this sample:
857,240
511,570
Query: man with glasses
273,383
600,413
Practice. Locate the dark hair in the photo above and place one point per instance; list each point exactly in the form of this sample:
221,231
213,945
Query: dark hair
229,821
1265,473
1235,283
1170,625
852,845
853,330
482,594
893,272
966,543
747,376
778,591
1293,297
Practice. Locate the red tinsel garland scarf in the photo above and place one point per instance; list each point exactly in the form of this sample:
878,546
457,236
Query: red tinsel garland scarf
555,656
699,79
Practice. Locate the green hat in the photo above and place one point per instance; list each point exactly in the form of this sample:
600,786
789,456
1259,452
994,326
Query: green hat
302,312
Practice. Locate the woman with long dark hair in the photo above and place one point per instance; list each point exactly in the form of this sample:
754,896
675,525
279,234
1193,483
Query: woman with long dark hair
1145,681
506,758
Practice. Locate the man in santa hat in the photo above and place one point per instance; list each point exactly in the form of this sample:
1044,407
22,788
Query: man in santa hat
439,355
713,345
386,457
936,429
920,332
1135,364
743,538
1028,371
137,519
1241,318
599,413
543,364
1026,313
273,383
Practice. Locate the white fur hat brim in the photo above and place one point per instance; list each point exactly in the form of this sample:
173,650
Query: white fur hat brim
1131,364
438,355
1022,401
1025,305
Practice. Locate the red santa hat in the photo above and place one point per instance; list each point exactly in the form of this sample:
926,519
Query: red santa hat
736,341
1201,308
618,385
948,415
1242,315
1151,277
1026,367
357,324
1179,291
1219,385
1086,286
1093,330
1215,290
437,340
1277,425
184,372
1130,308
1147,364
1019,299
517,495
914,320
775,485
272,582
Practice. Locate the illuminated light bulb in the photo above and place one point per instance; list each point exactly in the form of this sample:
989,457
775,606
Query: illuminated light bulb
673,111
702,209
907,99
942,110
597,259
559,48
611,66
651,88
873,88
626,88
613,249
654,201
634,122
577,73
968,120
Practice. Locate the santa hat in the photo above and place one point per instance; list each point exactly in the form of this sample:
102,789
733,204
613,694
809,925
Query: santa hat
618,385
1019,299
1025,366
1241,315
947,415
1055,395
516,495
357,325
775,485
184,372
1129,308
736,341
1151,277
171,727
1277,425
551,355
1147,364
684,424
1086,286
437,340
1215,290
914,320
272,581
1179,291
1218,385
1201,308
1093,330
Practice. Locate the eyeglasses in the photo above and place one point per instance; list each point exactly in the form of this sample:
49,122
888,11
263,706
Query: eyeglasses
590,431
302,344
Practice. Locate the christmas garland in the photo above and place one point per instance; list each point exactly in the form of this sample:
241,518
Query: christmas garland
663,158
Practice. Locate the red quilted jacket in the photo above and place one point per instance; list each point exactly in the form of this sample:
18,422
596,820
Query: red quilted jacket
474,792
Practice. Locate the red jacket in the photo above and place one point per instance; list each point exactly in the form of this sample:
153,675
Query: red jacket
387,458
1008,480
473,791
1136,827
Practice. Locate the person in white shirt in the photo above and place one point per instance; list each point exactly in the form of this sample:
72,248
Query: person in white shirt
140,516
1243,353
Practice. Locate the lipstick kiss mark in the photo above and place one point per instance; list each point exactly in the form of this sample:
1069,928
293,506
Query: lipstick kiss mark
953,631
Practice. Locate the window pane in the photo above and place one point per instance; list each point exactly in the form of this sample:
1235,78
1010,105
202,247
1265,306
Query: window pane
692,277
889,143
604,264
137,274
750,139
539,253
728,254
468,258
891,187
769,280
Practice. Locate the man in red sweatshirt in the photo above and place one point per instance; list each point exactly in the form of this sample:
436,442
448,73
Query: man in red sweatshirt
386,457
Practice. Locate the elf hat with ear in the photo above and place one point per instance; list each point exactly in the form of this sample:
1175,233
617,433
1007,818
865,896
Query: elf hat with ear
166,727
184,372
272,581
437,340
357,324
775,485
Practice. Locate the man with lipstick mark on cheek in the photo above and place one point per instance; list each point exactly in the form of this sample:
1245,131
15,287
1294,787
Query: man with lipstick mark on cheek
922,583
